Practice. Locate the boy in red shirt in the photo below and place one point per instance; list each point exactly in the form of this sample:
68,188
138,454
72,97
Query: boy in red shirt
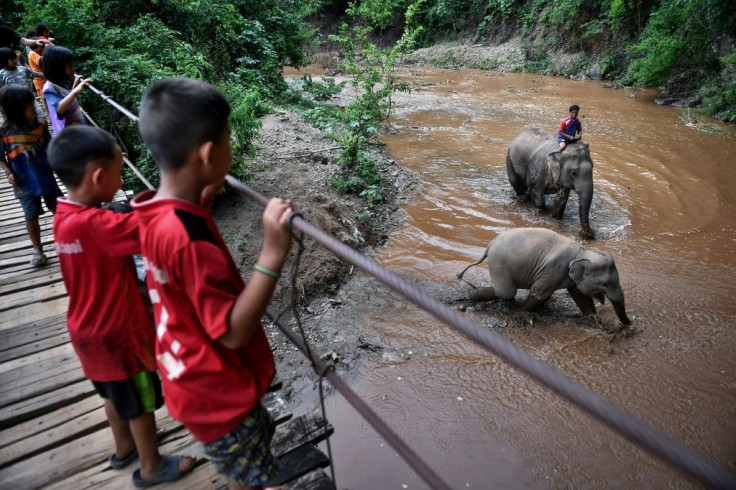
214,357
108,324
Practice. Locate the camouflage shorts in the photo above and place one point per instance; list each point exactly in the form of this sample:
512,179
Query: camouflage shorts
243,455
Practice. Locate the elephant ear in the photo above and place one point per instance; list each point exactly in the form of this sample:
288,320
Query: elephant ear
554,166
578,269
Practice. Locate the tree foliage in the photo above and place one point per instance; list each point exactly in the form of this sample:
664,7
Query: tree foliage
240,46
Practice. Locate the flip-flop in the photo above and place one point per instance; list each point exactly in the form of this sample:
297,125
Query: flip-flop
120,463
168,472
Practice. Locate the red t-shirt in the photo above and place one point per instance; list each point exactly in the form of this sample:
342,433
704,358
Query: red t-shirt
193,283
108,324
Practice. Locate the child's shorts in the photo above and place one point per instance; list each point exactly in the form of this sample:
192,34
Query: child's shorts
132,397
32,204
243,455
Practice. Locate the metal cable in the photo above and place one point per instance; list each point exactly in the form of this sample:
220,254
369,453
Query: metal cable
130,164
653,440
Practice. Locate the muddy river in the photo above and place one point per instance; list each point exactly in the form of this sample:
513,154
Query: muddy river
664,207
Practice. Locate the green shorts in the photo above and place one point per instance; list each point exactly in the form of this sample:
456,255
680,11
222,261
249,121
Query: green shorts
132,397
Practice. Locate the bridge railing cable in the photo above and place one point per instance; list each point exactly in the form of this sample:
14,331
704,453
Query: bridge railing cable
656,442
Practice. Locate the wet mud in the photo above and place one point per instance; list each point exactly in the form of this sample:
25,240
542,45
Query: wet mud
663,206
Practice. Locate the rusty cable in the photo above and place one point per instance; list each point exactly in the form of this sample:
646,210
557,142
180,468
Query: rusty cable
658,443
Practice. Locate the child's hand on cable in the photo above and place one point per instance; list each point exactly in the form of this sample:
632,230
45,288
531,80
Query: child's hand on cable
80,82
276,233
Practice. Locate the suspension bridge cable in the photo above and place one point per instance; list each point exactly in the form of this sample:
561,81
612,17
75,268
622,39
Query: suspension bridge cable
653,440
127,161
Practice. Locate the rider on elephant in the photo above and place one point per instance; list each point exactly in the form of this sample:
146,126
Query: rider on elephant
571,129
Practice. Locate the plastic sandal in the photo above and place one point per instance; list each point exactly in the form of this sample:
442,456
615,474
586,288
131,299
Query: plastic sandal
168,472
38,259
118,463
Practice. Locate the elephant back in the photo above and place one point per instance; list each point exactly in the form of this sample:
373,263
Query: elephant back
524,151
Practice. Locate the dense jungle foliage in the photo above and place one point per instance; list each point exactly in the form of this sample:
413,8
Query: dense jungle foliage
683,47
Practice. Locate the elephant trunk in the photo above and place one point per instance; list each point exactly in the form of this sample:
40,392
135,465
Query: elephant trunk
620,309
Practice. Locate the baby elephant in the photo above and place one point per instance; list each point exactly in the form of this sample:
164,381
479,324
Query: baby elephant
544,261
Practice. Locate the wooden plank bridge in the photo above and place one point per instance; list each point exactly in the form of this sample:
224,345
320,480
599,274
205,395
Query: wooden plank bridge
53,430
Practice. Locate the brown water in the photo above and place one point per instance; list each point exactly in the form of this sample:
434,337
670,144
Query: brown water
664,206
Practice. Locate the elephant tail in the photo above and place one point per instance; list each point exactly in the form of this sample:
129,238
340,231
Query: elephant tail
485,254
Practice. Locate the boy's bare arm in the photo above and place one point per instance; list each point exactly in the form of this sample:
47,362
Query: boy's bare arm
250,306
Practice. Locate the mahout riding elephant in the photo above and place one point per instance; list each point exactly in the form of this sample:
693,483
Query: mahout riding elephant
544,261
536,167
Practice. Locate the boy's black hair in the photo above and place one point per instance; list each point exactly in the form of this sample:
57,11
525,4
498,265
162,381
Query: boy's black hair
14,99
53,64
41,27
177,115
5,55
574,107
74,148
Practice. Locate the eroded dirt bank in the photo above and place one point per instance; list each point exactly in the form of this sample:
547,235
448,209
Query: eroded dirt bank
297,161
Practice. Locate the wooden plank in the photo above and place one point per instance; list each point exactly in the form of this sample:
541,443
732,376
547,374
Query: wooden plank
21,248
23,269
11,233
30,381
31,273
307,429
35,295
276,408
31,332
316,480
38,360
299,462
48,277
50,420
37,346
16,413
65,460
24,259
68,431
12,318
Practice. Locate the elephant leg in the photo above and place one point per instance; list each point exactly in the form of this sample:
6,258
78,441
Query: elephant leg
483,294
584,302
558,208
532,304
538,198
514,179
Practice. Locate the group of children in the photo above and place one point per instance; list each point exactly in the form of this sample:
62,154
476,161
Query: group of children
206,338
24,135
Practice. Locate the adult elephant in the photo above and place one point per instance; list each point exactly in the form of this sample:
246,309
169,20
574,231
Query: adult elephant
544,261
536,167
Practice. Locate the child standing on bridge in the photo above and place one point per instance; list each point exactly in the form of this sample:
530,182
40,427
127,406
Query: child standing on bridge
570,129
109,326
12,74
62,88
212,350
23,143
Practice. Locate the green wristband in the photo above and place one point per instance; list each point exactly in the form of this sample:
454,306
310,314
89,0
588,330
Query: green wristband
265,270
